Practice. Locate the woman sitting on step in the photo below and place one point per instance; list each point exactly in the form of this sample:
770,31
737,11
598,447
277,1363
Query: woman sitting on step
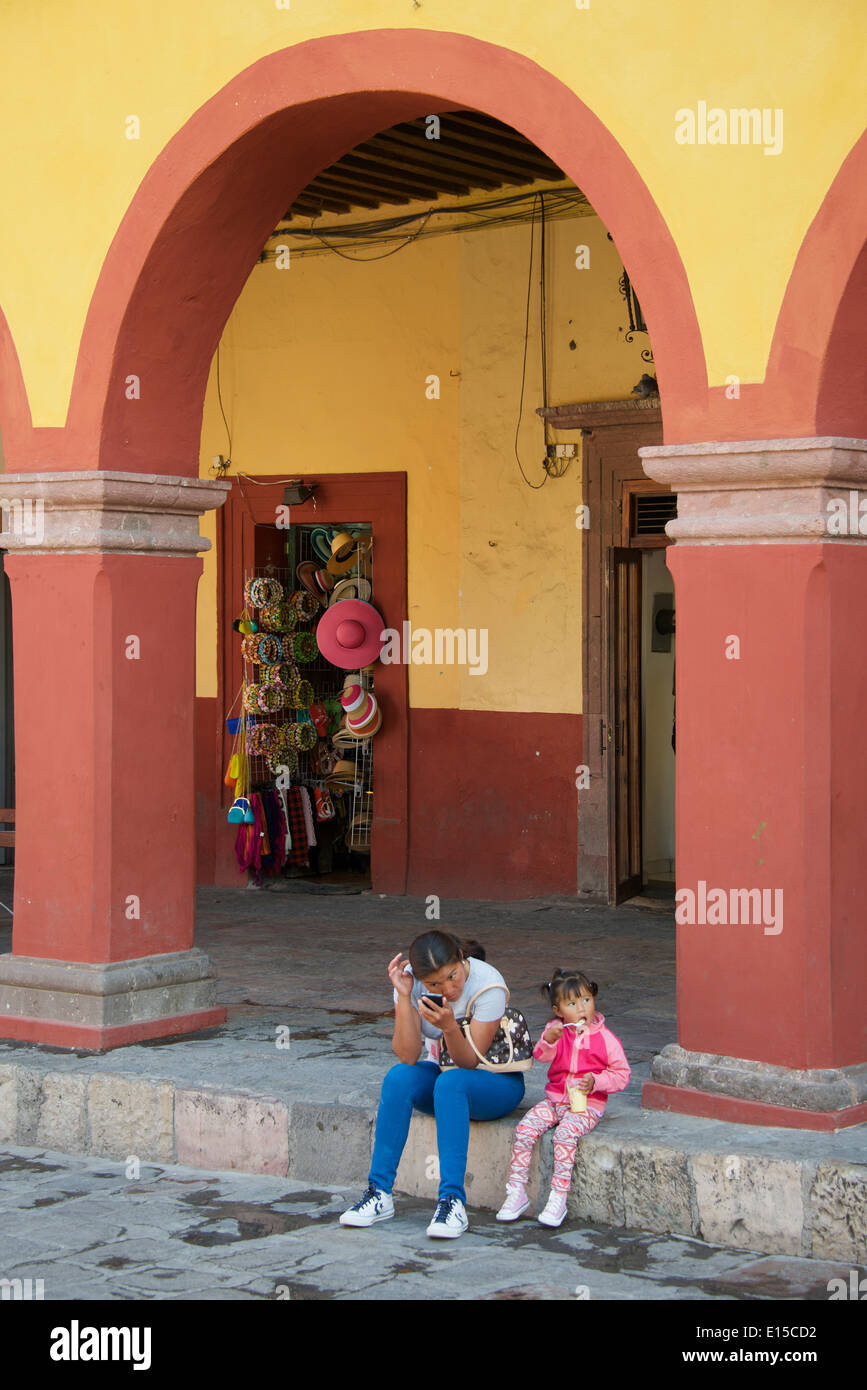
452,970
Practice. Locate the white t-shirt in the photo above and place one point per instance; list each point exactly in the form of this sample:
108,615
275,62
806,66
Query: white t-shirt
489,1006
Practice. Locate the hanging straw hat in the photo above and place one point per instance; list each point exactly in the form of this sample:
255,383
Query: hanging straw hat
346,739
346,553
362,714
355,587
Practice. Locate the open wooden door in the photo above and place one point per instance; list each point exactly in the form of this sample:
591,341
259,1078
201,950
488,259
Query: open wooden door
624,722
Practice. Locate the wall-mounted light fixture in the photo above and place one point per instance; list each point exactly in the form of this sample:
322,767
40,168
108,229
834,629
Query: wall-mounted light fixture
297,493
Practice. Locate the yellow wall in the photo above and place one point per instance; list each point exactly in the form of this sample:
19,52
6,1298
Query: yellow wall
73,70
323,368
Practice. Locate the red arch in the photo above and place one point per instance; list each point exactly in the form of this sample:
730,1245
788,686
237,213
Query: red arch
820,346
203,211
816,380
14,406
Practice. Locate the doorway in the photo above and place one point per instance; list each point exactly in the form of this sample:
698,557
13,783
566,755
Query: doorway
626,824
339,786
641,744
248,540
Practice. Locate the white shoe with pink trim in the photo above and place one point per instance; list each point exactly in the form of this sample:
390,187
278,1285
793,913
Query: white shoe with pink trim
515,1205
555,1209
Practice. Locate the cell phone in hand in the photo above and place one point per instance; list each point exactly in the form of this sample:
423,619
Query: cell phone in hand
435,999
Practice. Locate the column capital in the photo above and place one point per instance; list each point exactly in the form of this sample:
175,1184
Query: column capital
746,492
103,512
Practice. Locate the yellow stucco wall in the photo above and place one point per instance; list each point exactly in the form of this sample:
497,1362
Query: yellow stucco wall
323,368
74,71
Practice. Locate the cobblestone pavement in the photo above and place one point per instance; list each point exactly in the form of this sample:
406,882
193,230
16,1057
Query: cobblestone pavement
91,1233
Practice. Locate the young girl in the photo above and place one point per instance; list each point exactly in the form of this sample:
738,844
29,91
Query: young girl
586,1063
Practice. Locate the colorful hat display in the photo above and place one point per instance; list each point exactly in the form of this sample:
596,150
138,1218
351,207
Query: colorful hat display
353,698
346,552
350,634
320,543
360,708
356,587
306,573
323,583
348,740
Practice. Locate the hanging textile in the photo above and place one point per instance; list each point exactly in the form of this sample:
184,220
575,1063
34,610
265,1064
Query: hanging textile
297,828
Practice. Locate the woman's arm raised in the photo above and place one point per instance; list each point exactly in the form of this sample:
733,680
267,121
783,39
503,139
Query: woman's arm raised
406,1039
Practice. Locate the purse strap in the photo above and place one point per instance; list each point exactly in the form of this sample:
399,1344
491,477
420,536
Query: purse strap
481,991
468,1019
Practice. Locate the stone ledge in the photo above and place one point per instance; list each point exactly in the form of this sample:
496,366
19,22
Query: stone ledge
833,1088
770,1202
771,491
125,992
104,511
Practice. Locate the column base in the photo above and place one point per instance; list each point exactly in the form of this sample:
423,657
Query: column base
98,1007
755,1093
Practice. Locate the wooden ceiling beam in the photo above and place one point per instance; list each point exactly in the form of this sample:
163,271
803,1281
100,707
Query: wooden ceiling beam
493,141
480,173
304,207
342,188
400,164
424,185
473,155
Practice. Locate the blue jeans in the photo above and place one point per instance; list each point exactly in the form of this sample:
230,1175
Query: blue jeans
455,1097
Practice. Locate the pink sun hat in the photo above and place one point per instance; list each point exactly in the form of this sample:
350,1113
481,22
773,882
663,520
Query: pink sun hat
349,634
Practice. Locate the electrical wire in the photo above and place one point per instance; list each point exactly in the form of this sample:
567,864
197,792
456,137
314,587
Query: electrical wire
246,498
363,259
220,399
267,482
543,319
560,203
565,202
534,486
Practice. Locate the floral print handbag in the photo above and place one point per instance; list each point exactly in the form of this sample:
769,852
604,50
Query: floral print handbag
511,1048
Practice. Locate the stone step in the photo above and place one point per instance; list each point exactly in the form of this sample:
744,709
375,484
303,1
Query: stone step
777,1192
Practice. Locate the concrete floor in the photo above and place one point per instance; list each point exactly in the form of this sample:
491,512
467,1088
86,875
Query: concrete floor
90,1232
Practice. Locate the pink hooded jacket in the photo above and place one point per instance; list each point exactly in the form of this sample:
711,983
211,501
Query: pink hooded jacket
579,1051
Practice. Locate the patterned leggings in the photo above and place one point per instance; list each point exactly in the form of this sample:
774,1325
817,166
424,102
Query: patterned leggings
571,1126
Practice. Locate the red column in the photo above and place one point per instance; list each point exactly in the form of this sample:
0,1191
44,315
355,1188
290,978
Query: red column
771,599
104,572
